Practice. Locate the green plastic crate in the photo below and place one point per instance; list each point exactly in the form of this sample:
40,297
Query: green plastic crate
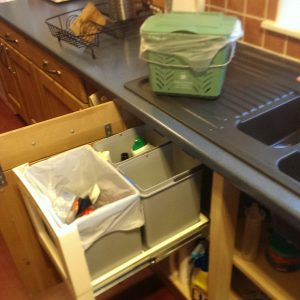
170,74
184,81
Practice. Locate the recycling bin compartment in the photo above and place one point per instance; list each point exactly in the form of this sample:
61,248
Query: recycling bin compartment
112,250
92,244
169,182
122,142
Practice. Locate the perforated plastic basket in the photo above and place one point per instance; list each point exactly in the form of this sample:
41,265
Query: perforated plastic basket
170,74
184,81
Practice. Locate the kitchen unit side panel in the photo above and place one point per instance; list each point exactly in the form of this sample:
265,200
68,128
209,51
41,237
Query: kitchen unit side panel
34,143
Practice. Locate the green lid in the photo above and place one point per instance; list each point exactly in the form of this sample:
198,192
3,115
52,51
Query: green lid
204,23
138,143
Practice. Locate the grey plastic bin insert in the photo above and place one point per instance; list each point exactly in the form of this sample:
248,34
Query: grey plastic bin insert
169,181
123,141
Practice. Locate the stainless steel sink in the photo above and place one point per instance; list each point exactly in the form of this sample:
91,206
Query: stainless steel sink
256,118
279,127
290,165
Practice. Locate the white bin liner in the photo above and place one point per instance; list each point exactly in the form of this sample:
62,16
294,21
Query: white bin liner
76,172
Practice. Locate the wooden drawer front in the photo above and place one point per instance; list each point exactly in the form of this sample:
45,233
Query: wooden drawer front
58,100
13,38
58,71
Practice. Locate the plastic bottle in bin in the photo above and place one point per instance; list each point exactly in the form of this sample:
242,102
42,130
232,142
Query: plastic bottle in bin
140,146
124,156
254,215
200,272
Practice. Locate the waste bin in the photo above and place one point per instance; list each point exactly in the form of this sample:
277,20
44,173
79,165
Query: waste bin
122,142
187,53
169,182
110,235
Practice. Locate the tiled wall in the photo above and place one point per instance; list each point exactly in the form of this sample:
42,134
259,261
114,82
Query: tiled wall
252,13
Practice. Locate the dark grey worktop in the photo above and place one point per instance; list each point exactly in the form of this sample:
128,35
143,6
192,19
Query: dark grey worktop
117,62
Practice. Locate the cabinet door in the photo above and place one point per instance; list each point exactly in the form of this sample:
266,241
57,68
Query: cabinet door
13,38
27,84
56,100
3,95
10,83
57,70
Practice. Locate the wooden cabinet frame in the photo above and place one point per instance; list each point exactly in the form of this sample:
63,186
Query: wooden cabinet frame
225,223
33,143
37,86
223,220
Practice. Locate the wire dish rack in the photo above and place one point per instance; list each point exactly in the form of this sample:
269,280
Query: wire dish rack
59,27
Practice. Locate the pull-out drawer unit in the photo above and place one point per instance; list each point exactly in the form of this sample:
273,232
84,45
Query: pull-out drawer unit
115,255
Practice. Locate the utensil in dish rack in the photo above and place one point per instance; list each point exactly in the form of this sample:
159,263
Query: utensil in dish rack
122,10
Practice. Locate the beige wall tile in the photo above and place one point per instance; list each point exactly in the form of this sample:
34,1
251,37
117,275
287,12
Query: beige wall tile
274,42
253,32
272,9
252,13
220,3
237,5
293,48
256,8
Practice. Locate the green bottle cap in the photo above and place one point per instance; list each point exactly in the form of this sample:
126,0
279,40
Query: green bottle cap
138,143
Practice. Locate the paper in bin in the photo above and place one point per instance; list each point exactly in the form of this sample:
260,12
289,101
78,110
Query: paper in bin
76,171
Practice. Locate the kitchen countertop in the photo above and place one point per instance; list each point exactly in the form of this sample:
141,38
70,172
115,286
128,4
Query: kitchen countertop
116,63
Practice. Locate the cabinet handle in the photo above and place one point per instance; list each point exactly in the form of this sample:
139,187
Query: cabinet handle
9,66
3,55
10,40
11,70
45,68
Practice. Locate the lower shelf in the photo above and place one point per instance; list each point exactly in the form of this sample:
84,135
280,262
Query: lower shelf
182,288
243,288
277,285
172,280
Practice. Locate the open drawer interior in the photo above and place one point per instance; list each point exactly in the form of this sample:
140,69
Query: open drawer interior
64,246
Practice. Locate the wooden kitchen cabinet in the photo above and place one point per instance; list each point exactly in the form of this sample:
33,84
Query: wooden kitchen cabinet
15,71
37,86
13,38
31,101
55,100
225,253
59,72
3,95
34,95
33,143
11,83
